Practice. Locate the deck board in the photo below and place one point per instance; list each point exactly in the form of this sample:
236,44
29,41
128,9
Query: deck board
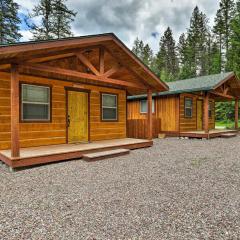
52,153
201,134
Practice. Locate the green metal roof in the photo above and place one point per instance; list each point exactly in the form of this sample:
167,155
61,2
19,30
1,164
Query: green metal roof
204,83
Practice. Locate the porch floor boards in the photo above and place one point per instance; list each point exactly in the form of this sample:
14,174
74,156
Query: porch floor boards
212,133
51,153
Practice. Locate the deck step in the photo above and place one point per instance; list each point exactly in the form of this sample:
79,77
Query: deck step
228,135
105,154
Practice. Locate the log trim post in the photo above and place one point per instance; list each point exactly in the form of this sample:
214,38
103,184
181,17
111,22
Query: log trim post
236,112
206,118
149,114
101,60
15,149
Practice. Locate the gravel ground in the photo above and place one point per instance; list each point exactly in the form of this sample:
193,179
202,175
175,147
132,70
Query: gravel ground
178,189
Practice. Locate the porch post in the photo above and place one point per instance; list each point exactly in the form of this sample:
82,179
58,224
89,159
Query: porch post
15,151
206,103
236,112
149,114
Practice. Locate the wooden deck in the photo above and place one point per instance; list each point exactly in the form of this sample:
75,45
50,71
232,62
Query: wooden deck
201,134
53,153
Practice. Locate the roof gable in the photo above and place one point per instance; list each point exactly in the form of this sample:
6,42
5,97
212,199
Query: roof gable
17,53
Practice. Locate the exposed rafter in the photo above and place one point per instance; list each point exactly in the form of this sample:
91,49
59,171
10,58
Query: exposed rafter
71,73
221,95
87,63
132,72
111,71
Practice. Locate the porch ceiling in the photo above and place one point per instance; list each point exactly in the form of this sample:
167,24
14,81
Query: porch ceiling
132,69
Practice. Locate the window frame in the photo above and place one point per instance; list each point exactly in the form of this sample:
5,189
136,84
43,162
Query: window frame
49,120
153,106
210,109
102,107
188,98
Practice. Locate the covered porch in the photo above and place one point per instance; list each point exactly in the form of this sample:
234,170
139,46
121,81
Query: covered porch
82,84
55,153
228,89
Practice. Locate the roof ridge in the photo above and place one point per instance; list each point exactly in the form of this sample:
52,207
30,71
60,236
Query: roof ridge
216,74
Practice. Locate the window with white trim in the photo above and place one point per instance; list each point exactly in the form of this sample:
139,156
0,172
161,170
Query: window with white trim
109,107
144,106
35,103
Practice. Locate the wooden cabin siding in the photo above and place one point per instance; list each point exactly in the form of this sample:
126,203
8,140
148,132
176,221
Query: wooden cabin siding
168,111
190,124
133,110
37,134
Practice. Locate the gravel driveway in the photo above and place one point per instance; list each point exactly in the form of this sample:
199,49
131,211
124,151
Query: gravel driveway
178,189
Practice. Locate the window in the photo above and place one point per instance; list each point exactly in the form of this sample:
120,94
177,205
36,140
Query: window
109,107
143,106
210,109
35,104
188,104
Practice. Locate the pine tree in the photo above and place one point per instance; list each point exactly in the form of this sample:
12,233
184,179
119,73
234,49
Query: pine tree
234,51
144,52
45,30
214,56
197,38
147,56
166,60
55,20
222,29
9,22
62,19
137,48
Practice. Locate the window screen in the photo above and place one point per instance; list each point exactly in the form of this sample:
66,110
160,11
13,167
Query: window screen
109,107
35,103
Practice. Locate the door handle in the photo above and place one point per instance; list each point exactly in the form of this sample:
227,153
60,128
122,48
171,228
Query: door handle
68,121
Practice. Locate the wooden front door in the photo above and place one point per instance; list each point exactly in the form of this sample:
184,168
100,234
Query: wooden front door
77,119
199,115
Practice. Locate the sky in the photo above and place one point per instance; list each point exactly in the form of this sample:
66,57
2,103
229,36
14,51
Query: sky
128,19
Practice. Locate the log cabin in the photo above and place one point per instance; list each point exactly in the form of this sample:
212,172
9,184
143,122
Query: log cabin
61,99
187,109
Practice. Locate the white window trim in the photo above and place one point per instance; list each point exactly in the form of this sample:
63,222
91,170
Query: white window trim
153,106
35,103
110,119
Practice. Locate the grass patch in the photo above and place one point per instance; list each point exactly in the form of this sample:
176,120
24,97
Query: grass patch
226,124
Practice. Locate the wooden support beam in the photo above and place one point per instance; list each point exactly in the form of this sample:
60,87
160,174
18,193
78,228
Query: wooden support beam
147,85
101,60
222,95
15,149
236,112
5,66
205,112
225,91
111,71
87,63
149,114
52,57
71,73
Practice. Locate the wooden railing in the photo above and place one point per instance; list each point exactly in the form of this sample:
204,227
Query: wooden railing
137,128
